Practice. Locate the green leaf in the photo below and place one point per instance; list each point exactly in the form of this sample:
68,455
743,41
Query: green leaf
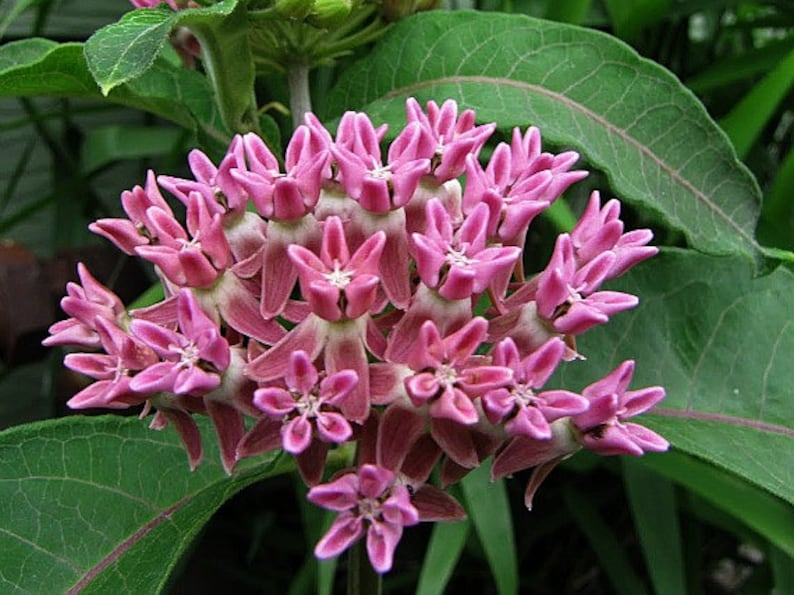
748,118
443,552
720,342
653,507
489,510
756,508
627,115
104,505
43,67
124,50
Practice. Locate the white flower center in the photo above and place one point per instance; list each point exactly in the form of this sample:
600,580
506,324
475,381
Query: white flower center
458,258
339,278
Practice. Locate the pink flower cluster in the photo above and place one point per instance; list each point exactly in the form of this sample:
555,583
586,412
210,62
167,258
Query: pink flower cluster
334,299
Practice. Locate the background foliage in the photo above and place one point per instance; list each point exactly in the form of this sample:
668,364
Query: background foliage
714,327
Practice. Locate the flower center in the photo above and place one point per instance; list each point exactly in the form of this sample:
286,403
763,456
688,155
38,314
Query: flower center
524,395
339,278
446,375
458,258
189,356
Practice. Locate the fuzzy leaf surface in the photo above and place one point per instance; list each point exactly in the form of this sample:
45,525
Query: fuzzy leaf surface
103,504
721,342
626,115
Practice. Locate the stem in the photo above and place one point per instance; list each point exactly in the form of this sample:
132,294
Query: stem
299,99
361,577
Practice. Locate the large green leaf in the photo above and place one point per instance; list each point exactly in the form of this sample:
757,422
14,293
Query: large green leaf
627,115
722,343
43,67
104,504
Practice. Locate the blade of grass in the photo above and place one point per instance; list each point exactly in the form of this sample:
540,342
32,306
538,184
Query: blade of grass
758,509
443,553
489,510
605,544
747,119
782,571
739,67
653,507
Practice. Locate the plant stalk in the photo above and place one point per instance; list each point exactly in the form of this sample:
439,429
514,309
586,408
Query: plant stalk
361,577
300,101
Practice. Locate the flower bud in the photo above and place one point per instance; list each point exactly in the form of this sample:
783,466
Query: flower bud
295,9
331,13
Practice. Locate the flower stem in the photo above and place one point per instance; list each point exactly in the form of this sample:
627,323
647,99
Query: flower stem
299,99
361,577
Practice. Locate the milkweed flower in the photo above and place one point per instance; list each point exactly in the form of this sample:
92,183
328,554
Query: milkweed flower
358,294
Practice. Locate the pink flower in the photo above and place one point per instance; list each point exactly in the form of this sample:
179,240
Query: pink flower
336,284
447,376
566,293
603,427
86,304
599,230
194,261
307,408
519,406
193,360
125,355
368,501
459,265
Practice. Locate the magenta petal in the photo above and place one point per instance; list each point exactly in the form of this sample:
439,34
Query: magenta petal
455,405
646,439
301,374
612,440
333,427
374,480
639,401
344,532
340,494
382,540
274,401
297,434
345,350
195,381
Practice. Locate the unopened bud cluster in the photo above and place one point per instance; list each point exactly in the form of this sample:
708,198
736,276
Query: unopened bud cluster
333,300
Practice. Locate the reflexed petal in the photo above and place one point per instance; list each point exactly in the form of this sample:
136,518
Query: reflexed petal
382,540
374,480
340,494
333,427
301,374
276,402
297,434
343,533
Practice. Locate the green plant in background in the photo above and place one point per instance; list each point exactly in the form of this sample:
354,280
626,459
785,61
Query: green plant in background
85,501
